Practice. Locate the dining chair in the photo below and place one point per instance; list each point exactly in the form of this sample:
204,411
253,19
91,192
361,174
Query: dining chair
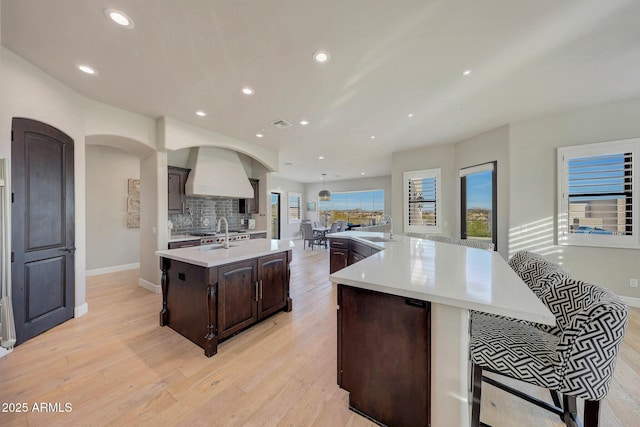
334,227
577,363
309,237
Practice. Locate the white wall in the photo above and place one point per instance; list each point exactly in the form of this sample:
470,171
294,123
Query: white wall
533,203
283,186
28,92
487,147
429,157
110,244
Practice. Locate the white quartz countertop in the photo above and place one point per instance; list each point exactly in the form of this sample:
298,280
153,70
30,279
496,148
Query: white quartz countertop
443,273
214,255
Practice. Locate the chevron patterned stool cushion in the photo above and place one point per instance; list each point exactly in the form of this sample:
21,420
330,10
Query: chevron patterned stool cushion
477,244
577,362
539,274
514,349
519,259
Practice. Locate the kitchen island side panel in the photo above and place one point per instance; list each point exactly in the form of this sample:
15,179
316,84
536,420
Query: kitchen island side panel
187,300
384,355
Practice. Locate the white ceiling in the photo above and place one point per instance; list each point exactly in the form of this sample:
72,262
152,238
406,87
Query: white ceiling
388,59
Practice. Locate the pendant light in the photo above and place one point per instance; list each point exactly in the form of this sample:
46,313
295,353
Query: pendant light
324,195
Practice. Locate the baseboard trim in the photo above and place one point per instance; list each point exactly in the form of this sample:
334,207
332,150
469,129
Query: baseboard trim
632,301
81,310
5,351
156,289
113,269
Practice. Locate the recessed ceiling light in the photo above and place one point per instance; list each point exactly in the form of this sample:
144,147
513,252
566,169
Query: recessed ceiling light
320,157
410,115
466,72
304,122
119,18
247,90
87,69
200,113
259,135
362,173
321,56
373,137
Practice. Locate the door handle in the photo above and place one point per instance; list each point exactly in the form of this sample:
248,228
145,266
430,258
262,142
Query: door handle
260,288
68,250
256,291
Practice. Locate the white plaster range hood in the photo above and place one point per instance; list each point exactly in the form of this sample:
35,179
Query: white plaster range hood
217,172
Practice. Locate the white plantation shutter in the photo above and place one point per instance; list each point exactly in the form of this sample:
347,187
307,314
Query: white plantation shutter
598,201
422,198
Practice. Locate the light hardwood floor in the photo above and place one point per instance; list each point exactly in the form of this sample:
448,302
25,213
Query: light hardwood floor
116,366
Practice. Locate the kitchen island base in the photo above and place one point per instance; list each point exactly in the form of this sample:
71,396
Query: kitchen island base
209,304
384,356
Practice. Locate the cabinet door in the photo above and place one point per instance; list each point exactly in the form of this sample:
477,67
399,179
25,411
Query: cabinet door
338,259
272,273
237,297
251,206
384,355
177,179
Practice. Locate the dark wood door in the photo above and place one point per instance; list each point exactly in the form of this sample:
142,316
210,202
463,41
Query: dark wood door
42,226
237,297
384,355
272,271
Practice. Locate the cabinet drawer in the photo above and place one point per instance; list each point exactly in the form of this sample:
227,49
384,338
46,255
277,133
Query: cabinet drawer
339,243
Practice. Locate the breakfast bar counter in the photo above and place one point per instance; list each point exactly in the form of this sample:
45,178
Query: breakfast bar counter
435,285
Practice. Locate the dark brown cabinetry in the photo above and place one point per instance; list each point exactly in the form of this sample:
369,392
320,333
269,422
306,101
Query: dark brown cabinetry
344,252
237,297
177,179
338,254
251,206
258,235
384,355
207,305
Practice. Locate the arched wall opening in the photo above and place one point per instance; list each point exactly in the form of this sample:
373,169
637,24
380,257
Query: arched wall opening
113,208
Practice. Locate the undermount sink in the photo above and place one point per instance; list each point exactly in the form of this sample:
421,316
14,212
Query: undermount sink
377,239
214,247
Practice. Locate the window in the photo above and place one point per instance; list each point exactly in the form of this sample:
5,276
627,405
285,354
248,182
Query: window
295,211
597,199
478,203
356,207
422,201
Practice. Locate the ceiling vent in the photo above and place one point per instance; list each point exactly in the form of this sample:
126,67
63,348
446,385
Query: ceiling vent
280,124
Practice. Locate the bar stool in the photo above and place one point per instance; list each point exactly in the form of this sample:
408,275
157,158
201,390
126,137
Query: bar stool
576,363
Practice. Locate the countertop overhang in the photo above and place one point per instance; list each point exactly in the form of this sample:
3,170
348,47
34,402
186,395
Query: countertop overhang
443,273
239,250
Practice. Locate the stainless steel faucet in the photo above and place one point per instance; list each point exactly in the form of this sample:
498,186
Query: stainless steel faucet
226,231
383,222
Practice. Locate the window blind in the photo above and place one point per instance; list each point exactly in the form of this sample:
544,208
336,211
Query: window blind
422,196
600,194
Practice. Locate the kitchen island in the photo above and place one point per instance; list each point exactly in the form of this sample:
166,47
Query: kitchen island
403,325
210,292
